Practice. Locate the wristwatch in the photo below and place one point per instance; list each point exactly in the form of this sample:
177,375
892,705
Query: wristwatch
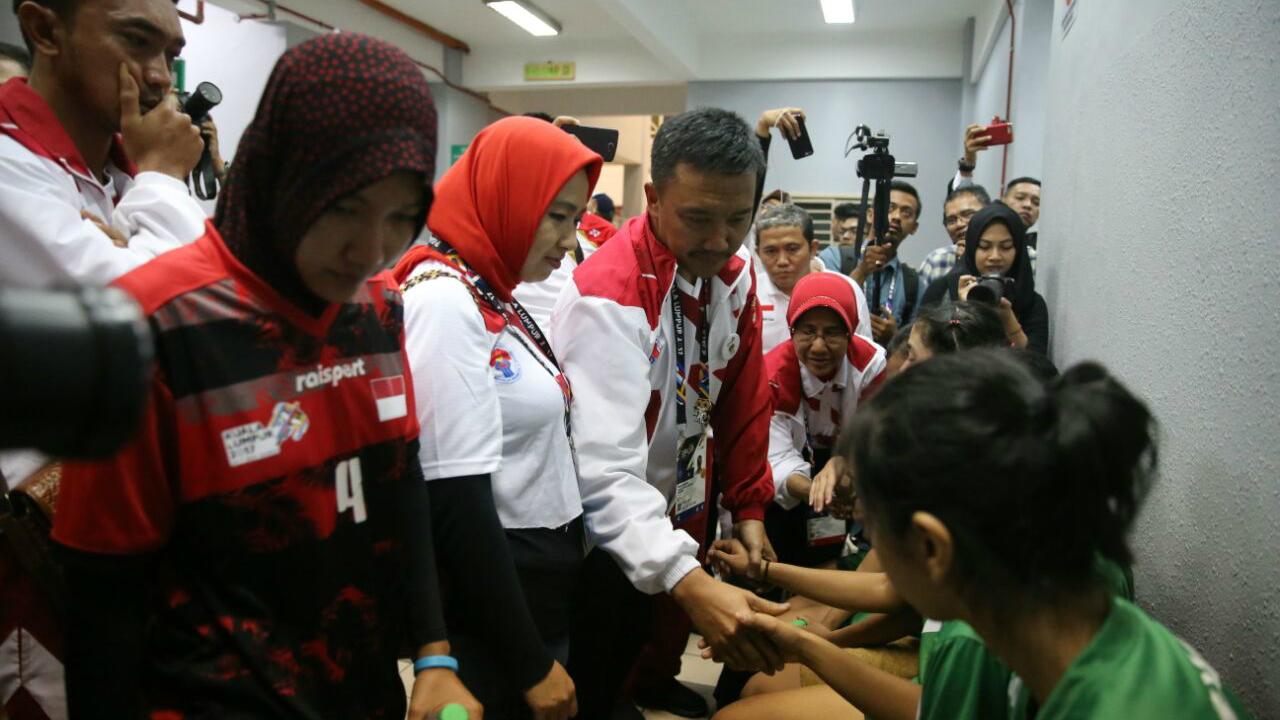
965,167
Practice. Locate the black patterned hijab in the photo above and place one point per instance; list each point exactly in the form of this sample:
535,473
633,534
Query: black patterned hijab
339,112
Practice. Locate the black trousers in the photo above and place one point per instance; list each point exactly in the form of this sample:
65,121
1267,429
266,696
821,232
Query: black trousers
612,624
548,562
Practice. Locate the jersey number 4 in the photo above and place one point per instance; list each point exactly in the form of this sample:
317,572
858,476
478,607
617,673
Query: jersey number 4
349,487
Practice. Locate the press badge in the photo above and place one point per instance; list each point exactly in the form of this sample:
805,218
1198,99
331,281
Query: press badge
825,530
693,468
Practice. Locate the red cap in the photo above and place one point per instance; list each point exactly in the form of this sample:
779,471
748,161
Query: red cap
824,289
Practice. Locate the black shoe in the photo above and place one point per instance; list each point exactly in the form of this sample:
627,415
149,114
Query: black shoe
674,698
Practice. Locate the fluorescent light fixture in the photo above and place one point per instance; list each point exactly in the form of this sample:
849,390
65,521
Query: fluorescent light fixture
527,16
837,11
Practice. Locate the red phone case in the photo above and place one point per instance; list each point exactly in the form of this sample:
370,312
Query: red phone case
998,132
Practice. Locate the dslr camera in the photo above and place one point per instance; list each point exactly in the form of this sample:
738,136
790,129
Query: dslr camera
990,288
75,367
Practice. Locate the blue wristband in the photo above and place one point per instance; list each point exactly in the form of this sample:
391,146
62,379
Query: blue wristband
430,662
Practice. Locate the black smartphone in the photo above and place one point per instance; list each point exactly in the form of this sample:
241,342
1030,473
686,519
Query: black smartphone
801,147
602,141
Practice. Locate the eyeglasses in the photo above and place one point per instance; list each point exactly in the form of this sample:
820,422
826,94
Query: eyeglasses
950,220
808,334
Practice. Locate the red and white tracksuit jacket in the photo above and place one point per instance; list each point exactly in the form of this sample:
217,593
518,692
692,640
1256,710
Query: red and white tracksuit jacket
612,332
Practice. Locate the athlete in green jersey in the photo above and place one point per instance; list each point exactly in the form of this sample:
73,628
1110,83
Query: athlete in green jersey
988,495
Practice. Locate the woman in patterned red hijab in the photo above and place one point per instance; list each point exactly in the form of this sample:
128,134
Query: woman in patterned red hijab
342,116
263,547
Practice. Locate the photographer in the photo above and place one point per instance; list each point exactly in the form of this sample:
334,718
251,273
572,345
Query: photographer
841,256
900,286
996,253
93,149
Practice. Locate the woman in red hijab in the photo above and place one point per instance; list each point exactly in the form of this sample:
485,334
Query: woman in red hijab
817,380
494,411
263,547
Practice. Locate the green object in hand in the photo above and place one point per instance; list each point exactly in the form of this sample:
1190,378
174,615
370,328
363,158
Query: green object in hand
453,711
800,622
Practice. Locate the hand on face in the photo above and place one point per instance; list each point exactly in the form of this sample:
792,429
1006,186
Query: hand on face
163,140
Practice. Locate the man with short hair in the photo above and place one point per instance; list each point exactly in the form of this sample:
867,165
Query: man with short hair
94,151
1023,195
786,248
841,256
960,205
893,290
659,335
93,159
14,62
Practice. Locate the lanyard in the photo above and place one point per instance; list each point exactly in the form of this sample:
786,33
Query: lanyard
703,406
893,284
515,311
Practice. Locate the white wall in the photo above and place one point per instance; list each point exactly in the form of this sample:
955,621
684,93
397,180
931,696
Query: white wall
461,116
987,94
238,58
921,116
1162,165
9,31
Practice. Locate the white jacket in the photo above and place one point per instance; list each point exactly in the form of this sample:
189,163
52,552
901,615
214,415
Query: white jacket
44,241
45,185
806,408
612,332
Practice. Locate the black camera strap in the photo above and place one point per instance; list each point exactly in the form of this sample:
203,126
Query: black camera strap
204,182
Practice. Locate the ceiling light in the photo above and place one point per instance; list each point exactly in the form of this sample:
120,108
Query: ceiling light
527,16
837,11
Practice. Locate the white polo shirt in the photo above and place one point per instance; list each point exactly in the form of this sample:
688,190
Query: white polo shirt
488,402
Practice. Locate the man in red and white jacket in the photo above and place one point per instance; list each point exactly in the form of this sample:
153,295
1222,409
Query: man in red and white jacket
93,159
94,151
675,279
90,186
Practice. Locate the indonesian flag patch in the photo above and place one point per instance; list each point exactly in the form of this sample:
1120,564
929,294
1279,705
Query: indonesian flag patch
388,394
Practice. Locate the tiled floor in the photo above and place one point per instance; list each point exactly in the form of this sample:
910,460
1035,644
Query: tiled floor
695,672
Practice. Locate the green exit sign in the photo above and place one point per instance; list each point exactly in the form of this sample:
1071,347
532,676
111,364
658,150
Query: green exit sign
534,72
456,152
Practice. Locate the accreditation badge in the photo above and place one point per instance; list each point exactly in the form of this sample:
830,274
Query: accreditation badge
693,470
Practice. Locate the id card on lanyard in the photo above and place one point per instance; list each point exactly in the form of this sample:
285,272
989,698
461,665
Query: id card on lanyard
517,316
694,452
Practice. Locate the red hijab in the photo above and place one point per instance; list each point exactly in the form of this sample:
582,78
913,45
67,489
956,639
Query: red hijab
824,289
489,204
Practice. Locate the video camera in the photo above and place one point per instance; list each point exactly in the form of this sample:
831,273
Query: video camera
880,167
75,367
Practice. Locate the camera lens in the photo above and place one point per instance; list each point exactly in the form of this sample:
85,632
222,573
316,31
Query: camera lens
988,290
74,370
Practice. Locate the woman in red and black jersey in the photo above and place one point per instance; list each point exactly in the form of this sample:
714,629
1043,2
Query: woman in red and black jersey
263,548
